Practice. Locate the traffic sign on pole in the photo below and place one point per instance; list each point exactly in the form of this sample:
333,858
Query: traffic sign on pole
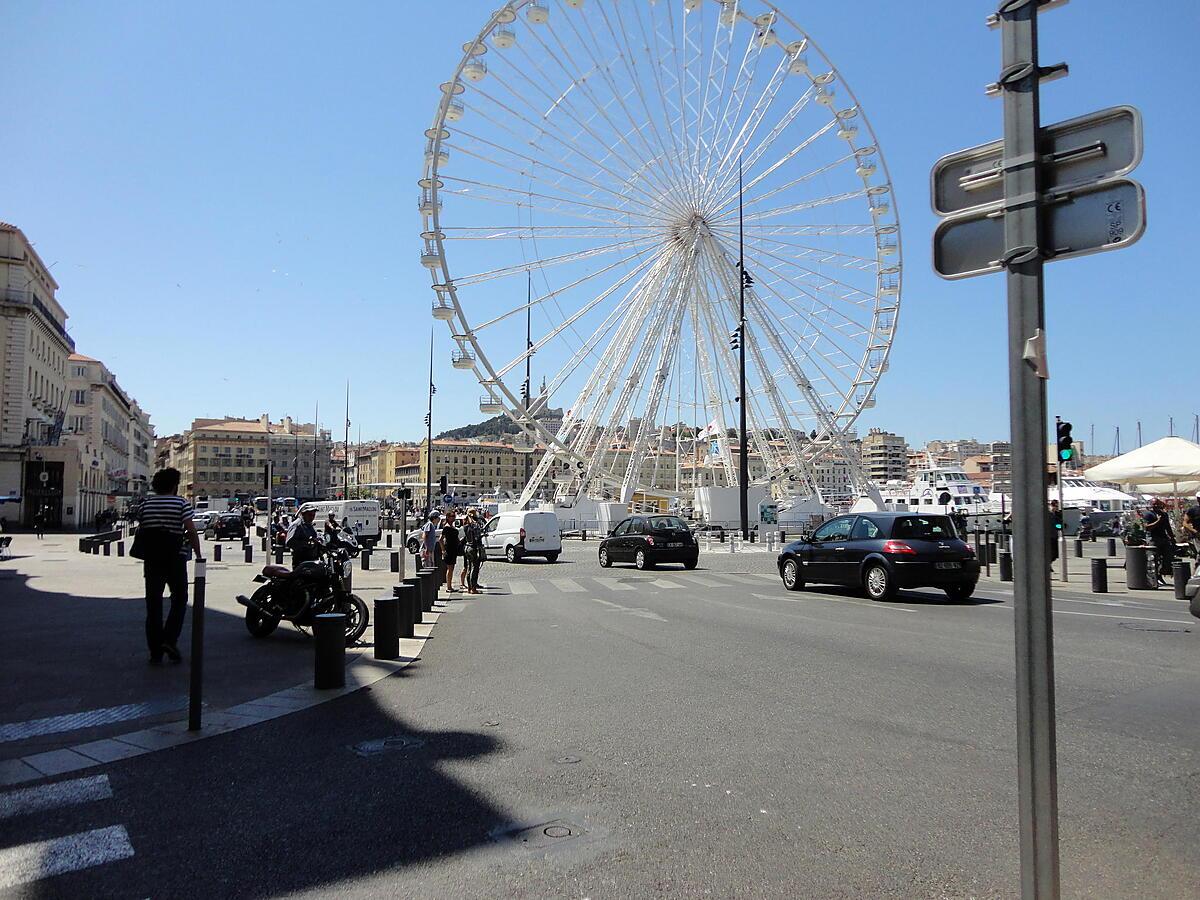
1101,145
1107,215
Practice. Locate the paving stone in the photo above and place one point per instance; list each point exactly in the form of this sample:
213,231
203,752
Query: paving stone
108,750
56,762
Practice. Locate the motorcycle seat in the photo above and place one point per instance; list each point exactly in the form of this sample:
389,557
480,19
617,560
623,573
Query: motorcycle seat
274,571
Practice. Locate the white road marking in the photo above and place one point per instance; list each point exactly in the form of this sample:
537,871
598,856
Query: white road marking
797,598
613,585
520,587
57,856
640,611
52,796
702,580
1071,612
663,583
566,585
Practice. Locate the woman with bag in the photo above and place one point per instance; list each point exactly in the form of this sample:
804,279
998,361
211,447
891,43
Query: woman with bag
162,543
473,552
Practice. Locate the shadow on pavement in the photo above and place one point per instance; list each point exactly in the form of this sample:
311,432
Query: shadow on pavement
912,598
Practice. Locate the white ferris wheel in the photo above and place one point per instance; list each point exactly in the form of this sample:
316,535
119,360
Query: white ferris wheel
580,206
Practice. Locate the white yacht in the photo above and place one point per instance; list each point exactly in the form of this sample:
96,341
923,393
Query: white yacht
1080,493
941,489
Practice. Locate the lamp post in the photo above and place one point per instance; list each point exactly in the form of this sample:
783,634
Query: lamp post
429,434
744,281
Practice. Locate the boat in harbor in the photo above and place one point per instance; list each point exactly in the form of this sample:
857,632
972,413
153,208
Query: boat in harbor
941,489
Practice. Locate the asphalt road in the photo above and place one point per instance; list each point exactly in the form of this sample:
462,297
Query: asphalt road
581,732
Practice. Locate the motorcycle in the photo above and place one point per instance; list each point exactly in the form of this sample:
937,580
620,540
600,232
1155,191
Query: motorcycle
313,587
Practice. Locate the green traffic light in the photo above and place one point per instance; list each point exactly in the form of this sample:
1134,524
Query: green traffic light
1066,455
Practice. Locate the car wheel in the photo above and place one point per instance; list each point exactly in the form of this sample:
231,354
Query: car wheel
792,579
959,593
690,563
552,556
877,582
511,553
641,561
413,546
605,562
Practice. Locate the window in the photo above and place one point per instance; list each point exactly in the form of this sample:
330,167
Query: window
834,530
79,398
623,528
928,527
865,530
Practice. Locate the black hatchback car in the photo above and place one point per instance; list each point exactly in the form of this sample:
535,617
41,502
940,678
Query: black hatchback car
649,540
226,526
881,553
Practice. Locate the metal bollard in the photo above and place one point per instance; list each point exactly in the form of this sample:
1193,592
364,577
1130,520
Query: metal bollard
83,548
733,542
387,628
329,670
196,663
721,535
583,535
987,561
1099,576
408,608
428,588
265,548
279,556
389,541
417,583
121,549
980,551
1135,570
108,548
1112,546
366,560
249,554
1078,548
1006,565
1181,571
216,553
753,537
993,551
95,548
395,561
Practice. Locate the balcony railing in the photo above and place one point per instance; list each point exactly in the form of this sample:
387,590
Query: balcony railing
29,298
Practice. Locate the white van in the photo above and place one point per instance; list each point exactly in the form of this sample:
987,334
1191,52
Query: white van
524,533
363,516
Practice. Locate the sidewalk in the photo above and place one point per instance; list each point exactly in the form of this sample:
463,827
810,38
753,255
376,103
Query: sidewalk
80,691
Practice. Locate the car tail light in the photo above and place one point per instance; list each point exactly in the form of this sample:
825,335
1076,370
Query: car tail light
898,547
522,535
970,550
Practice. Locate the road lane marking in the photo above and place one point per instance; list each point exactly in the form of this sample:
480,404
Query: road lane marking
19,731
566,585
520,587
640,611
1071,612
865,604
702,580
57,856
614,585
663,583
53,796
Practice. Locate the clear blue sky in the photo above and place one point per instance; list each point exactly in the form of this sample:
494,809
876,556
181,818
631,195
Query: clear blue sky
227,192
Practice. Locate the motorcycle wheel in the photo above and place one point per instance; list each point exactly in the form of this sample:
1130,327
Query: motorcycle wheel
258,624
357,618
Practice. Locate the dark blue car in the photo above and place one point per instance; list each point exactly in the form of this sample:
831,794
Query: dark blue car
882,552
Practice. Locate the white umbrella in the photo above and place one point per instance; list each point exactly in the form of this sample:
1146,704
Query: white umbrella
1167,461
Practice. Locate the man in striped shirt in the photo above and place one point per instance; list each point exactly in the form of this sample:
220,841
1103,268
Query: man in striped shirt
167,531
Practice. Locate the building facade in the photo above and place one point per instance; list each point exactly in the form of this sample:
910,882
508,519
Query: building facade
884,456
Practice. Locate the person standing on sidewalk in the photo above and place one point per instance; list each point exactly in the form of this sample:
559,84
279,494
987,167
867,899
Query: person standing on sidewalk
164,542
451,547
1158,528
473,552
39,522
1056,528
1191,526
429,538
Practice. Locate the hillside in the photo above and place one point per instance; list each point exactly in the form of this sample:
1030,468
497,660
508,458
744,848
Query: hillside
493,427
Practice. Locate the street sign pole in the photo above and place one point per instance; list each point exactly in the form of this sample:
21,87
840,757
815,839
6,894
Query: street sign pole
1036,759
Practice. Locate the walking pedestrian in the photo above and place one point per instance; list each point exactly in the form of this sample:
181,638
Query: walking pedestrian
429,538
1055,530
1158,528
39,522
451,547
162,543
1191,526
473,552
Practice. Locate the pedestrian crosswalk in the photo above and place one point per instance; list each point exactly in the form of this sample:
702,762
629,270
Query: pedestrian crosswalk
631,581
36,860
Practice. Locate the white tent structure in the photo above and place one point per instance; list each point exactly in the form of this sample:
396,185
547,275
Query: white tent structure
1169,466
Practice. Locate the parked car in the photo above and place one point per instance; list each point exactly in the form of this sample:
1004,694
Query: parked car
201,518
882,553
649,540
226,526
531,532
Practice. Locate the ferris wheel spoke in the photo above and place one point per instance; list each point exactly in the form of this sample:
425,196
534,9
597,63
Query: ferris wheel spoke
535,207
540,264
752,158
736,105
729,188
820,230
822,254
541,232
587,203
751,123
807,204
799,180
811,290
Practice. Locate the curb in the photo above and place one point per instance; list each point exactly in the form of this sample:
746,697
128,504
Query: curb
360,672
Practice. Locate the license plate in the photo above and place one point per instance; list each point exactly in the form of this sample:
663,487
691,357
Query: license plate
675,544
534,539
949,565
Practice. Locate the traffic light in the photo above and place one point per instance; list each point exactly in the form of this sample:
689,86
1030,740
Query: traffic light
1066,452
443,486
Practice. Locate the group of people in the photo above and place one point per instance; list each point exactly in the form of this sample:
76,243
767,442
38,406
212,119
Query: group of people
445,540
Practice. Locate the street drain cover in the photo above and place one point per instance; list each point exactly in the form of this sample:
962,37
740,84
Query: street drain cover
394,744
545,836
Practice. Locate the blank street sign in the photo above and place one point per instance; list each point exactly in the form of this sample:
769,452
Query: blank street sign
1079,151
1106,216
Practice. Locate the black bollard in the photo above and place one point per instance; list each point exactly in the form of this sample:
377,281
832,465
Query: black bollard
196,663
389,541
583,535
1112,546
1006,565
121,548
83,545
108,548
417,583
249,554
1078,548
366,560
1181,571
408,599
1135,570
95,548
782,535
216,552
429,588
279,556
387,628
395,558
265,549
987,561
329,631
1099,576
721,535
993,551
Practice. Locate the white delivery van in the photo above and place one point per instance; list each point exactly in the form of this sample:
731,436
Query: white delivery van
363,516
516,535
